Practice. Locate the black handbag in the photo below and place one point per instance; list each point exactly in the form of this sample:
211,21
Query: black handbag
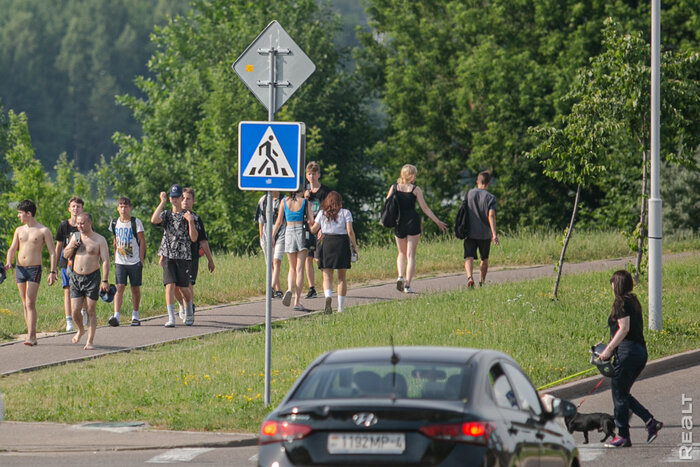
390,211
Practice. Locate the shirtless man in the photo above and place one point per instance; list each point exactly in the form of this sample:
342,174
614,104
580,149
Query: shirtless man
63,233
85,285
30,239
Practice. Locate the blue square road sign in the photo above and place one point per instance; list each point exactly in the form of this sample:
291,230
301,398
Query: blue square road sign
271,155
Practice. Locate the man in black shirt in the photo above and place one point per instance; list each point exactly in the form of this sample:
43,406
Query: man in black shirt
315,193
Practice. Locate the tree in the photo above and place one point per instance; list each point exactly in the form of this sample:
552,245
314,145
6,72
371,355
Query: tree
609,121
461,81
62,63
194,102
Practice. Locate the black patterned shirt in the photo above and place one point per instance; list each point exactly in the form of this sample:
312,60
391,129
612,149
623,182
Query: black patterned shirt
176,240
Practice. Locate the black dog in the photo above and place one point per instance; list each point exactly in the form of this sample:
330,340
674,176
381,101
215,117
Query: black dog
591,421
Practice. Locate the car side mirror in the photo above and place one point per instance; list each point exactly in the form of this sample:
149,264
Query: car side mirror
560,408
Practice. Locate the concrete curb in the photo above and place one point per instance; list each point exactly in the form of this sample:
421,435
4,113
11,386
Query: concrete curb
583,387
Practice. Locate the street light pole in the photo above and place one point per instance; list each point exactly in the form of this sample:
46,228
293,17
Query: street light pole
655,230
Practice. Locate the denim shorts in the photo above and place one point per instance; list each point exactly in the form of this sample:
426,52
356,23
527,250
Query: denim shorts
294,239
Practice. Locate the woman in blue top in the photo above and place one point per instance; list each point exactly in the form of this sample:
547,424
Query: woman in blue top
294,210
335,223
407,232
629,348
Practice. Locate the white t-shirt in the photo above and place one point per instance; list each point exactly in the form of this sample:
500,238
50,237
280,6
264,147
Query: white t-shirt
337,227
127,248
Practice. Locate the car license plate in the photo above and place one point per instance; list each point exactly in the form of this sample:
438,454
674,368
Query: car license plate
366,443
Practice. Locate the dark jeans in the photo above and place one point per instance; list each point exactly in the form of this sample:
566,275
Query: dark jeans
630,360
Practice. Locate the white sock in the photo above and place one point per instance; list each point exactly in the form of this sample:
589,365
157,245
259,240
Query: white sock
328,293
116,315
341,302
171,312
135,314
181,308
69,319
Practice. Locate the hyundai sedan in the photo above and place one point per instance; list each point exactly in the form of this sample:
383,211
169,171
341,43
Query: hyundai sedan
420,406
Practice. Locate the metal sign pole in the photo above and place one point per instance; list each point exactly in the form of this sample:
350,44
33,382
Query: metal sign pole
250,67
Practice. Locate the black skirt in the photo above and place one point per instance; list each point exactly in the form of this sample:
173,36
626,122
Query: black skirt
334,252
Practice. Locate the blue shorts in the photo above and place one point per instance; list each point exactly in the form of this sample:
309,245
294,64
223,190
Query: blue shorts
130,271
27,274
65,280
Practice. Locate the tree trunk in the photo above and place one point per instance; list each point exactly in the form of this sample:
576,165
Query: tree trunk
567,237
641,231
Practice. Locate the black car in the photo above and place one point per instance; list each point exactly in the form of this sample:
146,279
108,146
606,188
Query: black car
419,406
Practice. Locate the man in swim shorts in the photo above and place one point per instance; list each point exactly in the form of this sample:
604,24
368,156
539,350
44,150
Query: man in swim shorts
28,242
88,249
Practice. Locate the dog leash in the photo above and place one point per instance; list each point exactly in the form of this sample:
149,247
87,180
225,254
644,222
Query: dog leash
592,390
554,383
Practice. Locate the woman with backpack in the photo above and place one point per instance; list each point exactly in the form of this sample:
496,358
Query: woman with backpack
408,229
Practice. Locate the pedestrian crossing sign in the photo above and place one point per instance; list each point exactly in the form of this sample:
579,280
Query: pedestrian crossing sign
270,155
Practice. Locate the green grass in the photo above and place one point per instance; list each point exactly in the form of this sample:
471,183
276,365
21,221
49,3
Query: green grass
238,278
216,382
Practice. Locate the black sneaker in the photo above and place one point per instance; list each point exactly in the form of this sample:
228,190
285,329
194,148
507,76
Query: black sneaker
311,293
277,294
113,321
653,428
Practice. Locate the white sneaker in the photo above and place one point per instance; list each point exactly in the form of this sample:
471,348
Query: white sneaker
182,314
407,289
169,324
69,326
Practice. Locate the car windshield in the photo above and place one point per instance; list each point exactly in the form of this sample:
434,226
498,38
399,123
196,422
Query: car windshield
411,380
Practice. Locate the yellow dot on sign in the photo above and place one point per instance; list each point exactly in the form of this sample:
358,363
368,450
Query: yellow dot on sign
249,68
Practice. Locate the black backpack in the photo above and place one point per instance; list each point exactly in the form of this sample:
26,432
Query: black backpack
462,219
390,211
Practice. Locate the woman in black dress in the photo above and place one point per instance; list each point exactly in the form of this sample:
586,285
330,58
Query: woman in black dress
629,348
407,232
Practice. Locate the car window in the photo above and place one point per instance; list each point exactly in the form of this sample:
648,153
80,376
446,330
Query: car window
412,380
524,391
502,390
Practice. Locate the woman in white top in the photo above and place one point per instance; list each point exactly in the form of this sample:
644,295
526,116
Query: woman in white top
334,252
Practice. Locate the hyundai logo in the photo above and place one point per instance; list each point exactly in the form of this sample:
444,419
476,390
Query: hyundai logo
365,419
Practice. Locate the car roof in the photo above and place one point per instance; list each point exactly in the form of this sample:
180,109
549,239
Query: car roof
456,355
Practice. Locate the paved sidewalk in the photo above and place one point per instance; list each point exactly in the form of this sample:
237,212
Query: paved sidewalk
58,348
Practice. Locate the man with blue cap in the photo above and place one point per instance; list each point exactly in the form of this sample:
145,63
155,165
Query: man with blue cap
175,251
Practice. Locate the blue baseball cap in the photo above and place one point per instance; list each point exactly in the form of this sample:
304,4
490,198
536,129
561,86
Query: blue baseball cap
175,191
109,294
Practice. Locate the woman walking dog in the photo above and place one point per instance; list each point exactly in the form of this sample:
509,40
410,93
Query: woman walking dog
629,348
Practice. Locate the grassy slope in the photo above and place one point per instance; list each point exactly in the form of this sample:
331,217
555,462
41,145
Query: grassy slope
215,383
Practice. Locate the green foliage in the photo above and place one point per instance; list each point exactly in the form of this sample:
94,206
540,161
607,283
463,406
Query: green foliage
462,83
63,62
194,102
